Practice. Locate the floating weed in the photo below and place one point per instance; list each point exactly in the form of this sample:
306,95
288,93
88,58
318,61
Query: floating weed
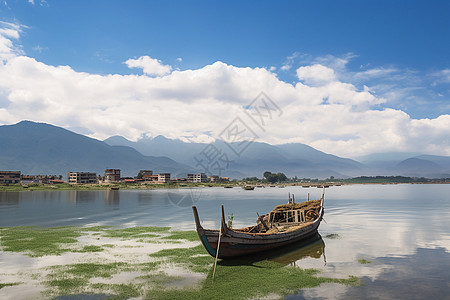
235,279
332,236
68,285
75,278
134,232
89,270
2,285
91,248
121,291
191,257
38,241
183,235
261,279
364,261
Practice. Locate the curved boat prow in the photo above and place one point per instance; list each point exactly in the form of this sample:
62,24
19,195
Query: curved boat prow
223,224
197,219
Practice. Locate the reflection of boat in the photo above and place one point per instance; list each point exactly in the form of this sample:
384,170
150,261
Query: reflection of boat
248,187
313,247
285,224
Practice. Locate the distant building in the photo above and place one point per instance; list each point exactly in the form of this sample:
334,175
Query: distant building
151,177
81,177
146,175
112,175
199,177
164,177
9,177
215,178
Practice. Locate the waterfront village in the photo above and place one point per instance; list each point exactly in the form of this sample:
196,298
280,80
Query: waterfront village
109,176
147,177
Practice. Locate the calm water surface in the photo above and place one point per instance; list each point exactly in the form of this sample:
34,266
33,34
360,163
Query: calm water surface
402,230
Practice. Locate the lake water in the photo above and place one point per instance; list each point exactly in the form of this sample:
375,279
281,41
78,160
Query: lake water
396,238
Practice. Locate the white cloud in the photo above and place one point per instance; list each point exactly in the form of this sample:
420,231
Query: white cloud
316,74
149,66
9,32
442,76
179,59
335,116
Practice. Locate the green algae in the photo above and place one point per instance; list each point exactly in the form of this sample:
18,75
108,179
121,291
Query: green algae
240,279
183,235
38,241
364,261
332,236
2,285
134,232
235,279
91,248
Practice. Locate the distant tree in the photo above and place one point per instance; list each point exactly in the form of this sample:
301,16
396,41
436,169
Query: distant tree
272,178
250,179
267,174
281,177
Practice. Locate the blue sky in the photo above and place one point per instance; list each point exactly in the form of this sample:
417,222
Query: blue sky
399,50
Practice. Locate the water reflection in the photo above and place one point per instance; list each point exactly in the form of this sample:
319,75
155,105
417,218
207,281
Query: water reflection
9,198
81,197
292,254
423,275
111,198
145,197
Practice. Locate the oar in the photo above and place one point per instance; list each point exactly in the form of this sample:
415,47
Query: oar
218,243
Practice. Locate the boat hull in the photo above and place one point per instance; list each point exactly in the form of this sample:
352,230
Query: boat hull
234,243
231,246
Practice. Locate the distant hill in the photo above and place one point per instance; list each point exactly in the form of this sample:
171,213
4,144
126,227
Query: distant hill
38,148
425,166
292,159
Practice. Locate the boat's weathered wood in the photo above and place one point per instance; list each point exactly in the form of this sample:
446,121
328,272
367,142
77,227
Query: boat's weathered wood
236,242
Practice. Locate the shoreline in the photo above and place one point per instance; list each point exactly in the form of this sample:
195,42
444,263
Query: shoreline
239,184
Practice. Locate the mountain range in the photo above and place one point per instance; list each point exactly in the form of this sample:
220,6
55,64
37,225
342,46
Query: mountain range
39,148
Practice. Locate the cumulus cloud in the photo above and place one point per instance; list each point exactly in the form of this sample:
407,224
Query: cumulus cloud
316,74
333,116
149,66
9,33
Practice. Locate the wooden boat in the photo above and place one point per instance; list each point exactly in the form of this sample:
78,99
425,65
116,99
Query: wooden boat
285,224
248,187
